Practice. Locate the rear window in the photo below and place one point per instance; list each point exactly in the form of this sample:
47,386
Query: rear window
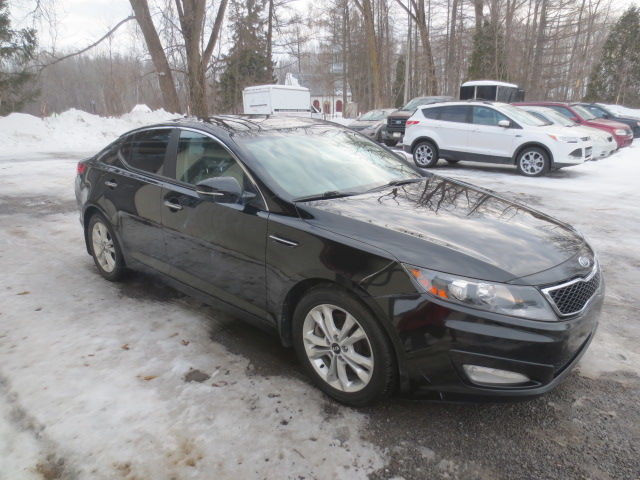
147,150
455,113
466,93
486,92
433,113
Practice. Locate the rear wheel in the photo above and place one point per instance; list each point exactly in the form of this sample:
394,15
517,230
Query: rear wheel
425,154
533,162
105,249
390,143
343,348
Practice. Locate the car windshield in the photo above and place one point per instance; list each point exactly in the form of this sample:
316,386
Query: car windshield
583,112
304,162
522,116
415,103
373,115
555,117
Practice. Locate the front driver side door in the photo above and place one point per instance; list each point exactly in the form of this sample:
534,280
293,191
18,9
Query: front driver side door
213,246
493,142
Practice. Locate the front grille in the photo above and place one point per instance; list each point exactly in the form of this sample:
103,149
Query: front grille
396,124
584,139
571,297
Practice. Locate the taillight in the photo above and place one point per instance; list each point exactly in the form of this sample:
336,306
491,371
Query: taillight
413,122
81,168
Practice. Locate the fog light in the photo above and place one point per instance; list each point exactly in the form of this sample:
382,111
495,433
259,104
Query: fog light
486,375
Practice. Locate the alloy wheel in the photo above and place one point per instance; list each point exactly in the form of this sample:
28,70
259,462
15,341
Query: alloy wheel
338,348
532,162
103,247
423,155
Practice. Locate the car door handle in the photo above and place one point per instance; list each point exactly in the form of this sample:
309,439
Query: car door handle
172,205
283,241
111,183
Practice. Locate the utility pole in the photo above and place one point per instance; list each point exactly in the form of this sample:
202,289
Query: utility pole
407,59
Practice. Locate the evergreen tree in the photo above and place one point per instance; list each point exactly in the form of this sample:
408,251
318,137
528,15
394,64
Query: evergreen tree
616,77
247,62
487,57
398,83
16,50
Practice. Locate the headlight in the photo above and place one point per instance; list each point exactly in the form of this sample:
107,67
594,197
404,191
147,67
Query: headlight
514,300
620,131
638,124
565,139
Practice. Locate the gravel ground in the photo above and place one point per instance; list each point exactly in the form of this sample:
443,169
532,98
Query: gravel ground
137,381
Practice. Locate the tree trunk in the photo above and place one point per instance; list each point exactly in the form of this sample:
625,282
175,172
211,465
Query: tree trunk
370,33
451,57
270,38
431,83
170,99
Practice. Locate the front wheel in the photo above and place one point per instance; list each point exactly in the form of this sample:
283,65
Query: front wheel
391,143
425,154
533,162
343,348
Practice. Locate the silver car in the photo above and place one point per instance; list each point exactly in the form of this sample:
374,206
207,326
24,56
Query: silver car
372,123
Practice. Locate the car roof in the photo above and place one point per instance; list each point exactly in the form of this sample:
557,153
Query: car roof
488,83
543,103
241,123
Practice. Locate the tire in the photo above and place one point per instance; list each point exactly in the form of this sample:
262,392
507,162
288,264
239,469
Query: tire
533,162
372,353
108,260
391,143
452,161
425,154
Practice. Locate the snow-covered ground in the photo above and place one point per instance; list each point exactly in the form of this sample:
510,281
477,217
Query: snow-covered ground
136,381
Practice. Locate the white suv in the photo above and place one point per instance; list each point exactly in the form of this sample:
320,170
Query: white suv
492,132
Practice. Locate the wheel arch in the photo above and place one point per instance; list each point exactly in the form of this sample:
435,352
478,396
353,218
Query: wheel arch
422,139
533,144
90,211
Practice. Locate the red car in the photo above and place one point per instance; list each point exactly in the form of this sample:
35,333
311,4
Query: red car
620,131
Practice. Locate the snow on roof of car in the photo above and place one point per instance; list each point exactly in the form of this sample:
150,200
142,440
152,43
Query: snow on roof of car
483,83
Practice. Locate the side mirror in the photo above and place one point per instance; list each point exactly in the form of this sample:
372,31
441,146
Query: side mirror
504,123
575,119
219,187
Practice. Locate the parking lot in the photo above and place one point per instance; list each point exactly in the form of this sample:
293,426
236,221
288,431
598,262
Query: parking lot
135,380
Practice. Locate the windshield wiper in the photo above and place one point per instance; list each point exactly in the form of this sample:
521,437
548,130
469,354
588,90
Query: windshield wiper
396,183
324,196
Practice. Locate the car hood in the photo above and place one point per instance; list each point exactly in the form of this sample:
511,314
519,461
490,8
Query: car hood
452,227
401,114
365,123
607,123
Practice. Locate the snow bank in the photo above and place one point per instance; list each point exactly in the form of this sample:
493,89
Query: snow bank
74,130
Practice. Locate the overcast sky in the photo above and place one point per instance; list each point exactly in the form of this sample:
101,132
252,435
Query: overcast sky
80,22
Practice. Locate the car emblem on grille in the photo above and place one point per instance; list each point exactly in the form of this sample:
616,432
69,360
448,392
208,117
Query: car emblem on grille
584,261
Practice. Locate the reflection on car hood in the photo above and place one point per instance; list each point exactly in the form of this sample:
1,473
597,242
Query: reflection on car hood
608,123
451,227
365,123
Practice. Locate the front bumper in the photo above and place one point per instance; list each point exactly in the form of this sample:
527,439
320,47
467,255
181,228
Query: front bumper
623,140
438,340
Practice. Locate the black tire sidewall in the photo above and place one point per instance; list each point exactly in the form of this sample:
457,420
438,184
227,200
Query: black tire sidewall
433,147
119,269
391,143
384,375
545,155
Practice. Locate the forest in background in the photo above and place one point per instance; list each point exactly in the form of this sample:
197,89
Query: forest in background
196,56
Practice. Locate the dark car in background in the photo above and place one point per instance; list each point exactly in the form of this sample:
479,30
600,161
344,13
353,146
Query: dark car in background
579,114
372,123
601,111
397,120
381,276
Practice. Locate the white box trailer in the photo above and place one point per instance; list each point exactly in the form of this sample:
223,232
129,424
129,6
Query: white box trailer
277,100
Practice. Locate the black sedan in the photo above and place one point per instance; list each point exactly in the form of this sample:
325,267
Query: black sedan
383,277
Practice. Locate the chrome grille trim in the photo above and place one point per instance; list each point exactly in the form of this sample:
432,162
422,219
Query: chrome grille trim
548,292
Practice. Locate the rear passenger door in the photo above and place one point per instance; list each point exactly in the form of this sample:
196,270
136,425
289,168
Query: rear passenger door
215,244
134,194
453,128
487,138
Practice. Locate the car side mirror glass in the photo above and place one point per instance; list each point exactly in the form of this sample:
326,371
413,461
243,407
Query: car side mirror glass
504,123
220,188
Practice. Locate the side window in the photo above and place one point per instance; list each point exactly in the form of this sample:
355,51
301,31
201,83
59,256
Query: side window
146,150
200,157
487,116
455,113
433,113
563,110
598,112
110,154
